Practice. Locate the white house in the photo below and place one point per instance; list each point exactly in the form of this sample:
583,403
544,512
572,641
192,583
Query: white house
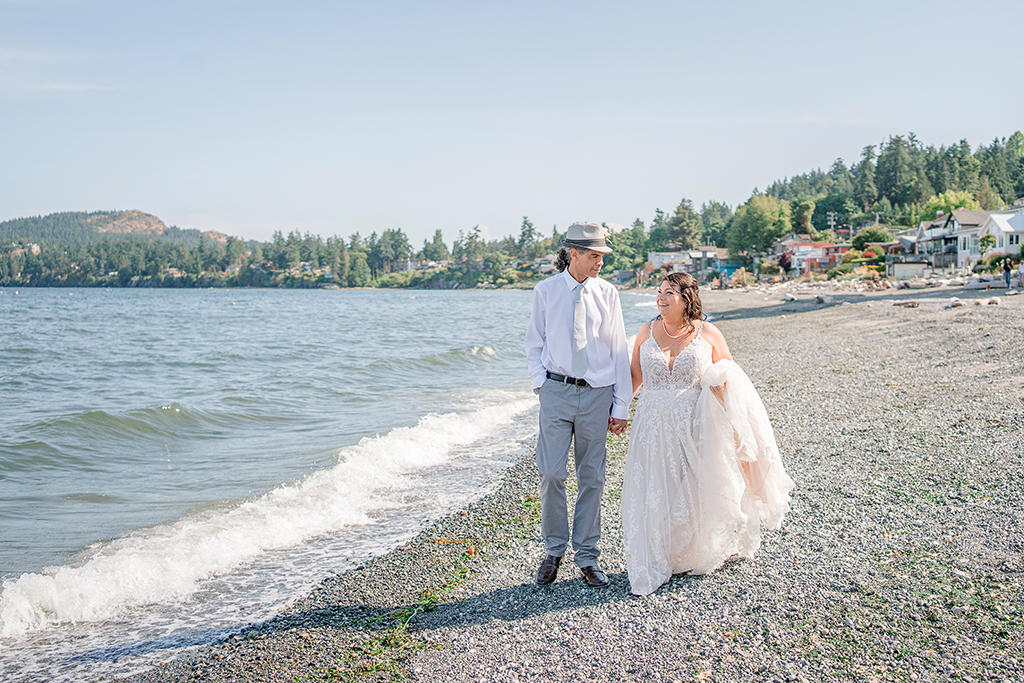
804,252
1008,231
951,236
679,260
965,224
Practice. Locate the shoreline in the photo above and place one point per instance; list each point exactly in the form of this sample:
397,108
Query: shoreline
902,558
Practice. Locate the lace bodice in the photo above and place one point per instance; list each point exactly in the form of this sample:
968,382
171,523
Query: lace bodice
687,369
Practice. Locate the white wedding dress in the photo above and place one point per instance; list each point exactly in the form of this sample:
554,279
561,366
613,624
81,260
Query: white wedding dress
701,475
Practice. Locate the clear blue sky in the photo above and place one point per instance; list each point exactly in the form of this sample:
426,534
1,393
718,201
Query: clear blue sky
337,117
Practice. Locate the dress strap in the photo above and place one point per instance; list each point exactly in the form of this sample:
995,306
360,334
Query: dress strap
700,328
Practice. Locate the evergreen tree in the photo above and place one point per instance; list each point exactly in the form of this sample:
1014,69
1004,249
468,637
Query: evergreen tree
473,246
715,216
659,231
359,271
840,179
685,226
865,190
436,250
527,240
638,240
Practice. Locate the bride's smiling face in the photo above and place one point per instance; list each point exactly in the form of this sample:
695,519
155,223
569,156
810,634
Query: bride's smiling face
670,302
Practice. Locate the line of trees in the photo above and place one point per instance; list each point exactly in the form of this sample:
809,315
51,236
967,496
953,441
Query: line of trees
898,183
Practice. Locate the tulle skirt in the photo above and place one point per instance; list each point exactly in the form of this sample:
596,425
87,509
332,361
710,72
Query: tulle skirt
702,475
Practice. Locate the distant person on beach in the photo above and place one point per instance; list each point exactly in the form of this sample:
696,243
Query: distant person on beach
703,469
579,363
1007,271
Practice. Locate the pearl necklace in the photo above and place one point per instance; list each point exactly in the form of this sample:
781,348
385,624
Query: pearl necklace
677,336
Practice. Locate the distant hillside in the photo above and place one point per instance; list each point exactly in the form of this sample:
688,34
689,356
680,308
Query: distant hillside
79,227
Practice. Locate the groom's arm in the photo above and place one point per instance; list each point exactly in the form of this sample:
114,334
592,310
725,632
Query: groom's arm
622,393
535,339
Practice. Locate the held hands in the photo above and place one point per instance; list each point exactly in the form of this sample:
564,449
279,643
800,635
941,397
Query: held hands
616,426
718,391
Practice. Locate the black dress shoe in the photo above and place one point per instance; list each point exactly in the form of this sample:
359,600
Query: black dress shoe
594,577
548,570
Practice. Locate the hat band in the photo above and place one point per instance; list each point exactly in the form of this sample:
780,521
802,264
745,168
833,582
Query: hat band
584,244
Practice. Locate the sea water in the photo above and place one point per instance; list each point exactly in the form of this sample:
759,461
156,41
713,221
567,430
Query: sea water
176,464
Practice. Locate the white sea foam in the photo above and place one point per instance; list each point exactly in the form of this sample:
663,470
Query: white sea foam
168,563
646,304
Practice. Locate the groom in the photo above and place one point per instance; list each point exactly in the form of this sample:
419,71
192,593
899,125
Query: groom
579,364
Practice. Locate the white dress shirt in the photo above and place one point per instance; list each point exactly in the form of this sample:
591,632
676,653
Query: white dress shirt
549,336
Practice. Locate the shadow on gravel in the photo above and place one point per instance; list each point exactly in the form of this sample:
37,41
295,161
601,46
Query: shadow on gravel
528,600
807,302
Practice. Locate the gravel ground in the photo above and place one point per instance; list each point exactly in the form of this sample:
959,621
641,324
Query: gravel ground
902,558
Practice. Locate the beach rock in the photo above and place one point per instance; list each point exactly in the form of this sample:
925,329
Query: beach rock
788,297
823,299
907,304
1010,292
993,301
954,302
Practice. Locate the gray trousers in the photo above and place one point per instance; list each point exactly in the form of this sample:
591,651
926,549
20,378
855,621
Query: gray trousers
568,412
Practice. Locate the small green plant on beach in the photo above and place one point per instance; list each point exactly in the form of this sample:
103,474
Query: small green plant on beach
382,656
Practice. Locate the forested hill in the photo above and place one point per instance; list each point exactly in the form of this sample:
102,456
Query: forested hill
79,227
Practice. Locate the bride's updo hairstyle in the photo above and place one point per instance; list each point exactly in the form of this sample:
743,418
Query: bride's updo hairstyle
689,290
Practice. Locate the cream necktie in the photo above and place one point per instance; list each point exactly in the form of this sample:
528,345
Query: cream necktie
579,335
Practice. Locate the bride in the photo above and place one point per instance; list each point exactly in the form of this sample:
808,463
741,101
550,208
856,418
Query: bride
703,470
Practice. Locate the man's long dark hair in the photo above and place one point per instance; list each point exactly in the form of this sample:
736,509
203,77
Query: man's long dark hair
562,258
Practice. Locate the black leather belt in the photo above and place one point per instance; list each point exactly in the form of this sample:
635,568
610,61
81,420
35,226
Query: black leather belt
567,380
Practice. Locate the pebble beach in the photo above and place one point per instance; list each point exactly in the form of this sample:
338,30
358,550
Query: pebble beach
902,558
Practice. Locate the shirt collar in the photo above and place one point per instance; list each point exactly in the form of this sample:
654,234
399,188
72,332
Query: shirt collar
570,281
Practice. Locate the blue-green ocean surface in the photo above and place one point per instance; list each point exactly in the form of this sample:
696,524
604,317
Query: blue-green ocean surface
175,464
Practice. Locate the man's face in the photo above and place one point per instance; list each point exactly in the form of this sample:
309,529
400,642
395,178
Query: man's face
588,262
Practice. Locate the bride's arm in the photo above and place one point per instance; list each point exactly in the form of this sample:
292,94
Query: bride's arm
634,364
719,349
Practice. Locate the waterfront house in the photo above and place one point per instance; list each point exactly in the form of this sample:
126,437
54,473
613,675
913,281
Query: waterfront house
951,240
812,257
660,259
1007,229
703,258
833,254
696,261
966,226
790,241
545,265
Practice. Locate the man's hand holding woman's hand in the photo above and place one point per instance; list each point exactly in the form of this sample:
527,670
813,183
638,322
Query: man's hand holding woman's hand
616,426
